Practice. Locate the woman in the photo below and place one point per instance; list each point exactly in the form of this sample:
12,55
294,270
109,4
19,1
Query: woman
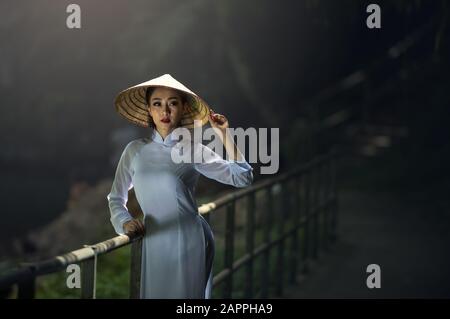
178,246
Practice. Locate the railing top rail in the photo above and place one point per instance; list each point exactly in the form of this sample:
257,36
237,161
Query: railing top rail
58,263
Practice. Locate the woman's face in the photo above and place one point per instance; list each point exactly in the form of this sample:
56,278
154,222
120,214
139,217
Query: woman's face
165,108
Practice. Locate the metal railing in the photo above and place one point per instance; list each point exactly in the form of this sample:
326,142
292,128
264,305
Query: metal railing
309,202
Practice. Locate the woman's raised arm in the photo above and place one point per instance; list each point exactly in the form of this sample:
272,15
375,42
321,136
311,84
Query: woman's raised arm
236,173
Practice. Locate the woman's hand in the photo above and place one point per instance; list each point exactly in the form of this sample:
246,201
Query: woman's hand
218,121
134,227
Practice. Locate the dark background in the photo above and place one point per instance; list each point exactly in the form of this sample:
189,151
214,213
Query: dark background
260,63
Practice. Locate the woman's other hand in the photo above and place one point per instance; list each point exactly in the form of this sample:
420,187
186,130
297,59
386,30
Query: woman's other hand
218,121
134,227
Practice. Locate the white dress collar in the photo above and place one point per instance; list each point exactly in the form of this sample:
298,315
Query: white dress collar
169,140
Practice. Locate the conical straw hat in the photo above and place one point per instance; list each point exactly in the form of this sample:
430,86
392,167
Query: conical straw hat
132,105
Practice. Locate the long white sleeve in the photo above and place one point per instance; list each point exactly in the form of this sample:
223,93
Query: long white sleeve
235,173
118,197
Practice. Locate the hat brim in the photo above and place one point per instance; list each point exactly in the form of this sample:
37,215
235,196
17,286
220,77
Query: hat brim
131,104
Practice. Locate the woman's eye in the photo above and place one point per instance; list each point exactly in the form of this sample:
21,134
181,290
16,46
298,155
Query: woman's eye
156,104
174,103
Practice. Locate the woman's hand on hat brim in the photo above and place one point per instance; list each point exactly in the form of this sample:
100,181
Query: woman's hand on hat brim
218,121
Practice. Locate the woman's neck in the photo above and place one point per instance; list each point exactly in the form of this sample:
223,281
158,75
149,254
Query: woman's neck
164,132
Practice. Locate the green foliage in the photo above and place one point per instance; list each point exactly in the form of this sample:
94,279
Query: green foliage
113,272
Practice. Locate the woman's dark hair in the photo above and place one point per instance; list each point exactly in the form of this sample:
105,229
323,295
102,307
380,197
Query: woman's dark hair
150,89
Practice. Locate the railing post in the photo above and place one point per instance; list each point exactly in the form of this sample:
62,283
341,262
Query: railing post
294,247
27,288
334,196
229,250
88,279
315,208
265,269
307,214
250,244
320,203
327,203
135,269
282,213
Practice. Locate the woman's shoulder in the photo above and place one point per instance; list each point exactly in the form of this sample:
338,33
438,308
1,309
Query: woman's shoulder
135,145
